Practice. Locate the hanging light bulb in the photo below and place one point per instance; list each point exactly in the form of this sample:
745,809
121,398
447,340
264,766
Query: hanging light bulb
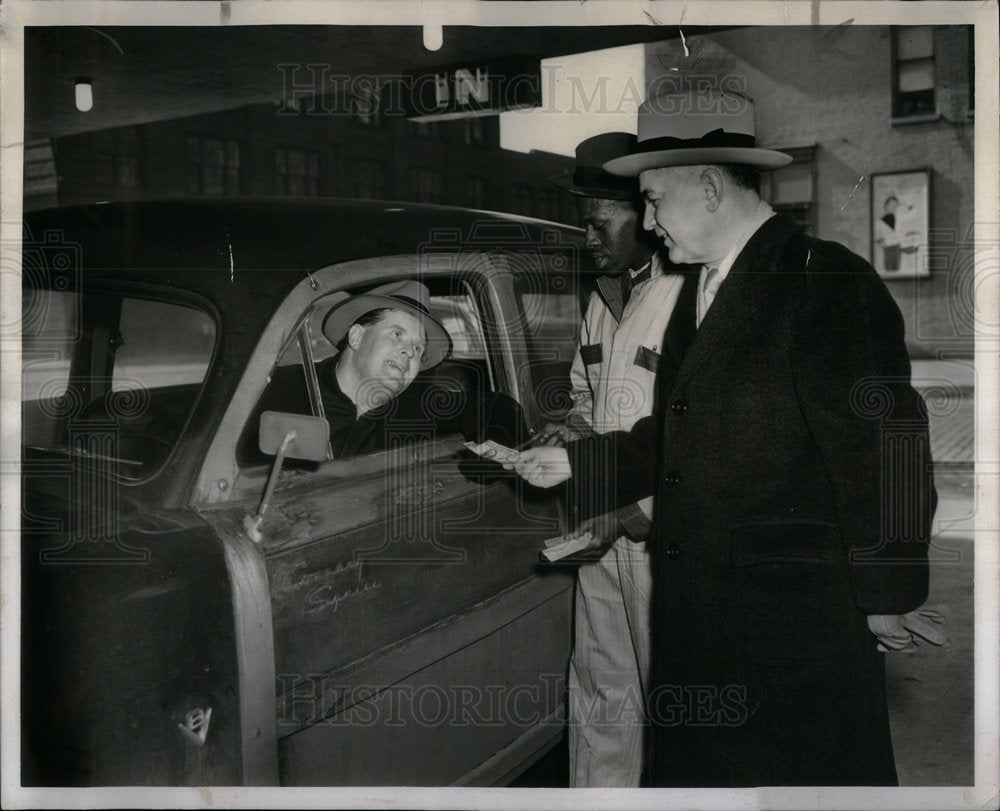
433,36
83,95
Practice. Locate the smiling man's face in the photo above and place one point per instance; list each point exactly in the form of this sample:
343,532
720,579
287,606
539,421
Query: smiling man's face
677,210
389,350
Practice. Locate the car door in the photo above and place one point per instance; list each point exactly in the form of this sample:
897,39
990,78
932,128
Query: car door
416,639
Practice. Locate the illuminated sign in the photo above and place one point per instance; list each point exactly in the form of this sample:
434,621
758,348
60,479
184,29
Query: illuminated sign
485,88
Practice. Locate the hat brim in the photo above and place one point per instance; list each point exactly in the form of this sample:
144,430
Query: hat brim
565,182
338,321
632,165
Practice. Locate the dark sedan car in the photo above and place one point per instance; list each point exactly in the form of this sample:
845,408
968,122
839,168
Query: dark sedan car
380,619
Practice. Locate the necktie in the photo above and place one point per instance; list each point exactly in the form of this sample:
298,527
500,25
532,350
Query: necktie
711,280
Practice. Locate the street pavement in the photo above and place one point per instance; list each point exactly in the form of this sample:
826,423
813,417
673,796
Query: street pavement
931,689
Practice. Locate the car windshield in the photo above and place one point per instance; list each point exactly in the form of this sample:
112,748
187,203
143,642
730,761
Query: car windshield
110,377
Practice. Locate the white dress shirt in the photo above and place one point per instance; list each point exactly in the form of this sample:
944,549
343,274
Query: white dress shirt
711,278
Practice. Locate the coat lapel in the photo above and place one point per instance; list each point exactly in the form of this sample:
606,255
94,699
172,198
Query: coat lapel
681,326
740,296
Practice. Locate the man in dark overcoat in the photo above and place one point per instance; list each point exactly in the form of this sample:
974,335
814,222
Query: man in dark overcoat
790,464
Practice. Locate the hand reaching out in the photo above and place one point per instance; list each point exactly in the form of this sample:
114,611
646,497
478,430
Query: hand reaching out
544,466
555,434
603,530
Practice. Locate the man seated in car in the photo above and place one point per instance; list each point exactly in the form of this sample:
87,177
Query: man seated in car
384,338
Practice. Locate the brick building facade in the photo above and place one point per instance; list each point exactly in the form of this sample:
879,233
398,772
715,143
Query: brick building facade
849,102
267,150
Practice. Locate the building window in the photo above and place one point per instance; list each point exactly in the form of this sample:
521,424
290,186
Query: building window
366,112
367,180
522,199
127,158
425,129
475,131
366,102
477,192
549,204
426,185
296,172
913,71
972,68
213,165
791,189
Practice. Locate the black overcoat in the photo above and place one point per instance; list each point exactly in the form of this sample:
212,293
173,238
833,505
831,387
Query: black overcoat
790,461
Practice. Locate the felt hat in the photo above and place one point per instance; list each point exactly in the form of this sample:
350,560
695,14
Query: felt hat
588,179
693,127
409,296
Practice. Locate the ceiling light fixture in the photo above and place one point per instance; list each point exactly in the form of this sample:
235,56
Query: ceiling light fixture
433,37
83,94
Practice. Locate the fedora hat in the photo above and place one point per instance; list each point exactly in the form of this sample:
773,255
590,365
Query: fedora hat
588,179
691,127
410,297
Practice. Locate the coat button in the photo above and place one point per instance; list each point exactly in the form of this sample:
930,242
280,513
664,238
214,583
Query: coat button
671,480
679,406
672,552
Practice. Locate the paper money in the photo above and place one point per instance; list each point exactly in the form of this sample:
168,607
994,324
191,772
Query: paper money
494,450
561,548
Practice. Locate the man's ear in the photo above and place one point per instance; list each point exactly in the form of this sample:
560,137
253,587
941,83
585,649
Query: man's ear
713,187
354,335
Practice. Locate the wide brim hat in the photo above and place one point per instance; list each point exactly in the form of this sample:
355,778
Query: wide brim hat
588,178
410,297
694,127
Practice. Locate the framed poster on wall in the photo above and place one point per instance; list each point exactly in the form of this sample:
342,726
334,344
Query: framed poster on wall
899,223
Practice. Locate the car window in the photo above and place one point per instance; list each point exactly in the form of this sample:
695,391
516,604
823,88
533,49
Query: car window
458,315
114,372
50,327
162,345
430,399
552,304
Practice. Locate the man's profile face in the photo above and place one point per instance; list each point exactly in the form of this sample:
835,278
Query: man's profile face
388,352
612,234
676,211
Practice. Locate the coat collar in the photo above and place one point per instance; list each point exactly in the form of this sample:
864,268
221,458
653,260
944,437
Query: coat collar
743,293
609,288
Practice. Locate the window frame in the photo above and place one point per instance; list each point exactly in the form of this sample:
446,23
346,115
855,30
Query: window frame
799,155
359,184
898,116
300,338
229,171
311,184
219,478
85,356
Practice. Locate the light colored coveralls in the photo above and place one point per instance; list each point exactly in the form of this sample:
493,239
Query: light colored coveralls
613,377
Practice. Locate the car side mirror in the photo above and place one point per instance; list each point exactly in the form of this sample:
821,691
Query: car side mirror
296,436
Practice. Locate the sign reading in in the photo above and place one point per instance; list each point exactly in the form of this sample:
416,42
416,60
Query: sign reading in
486,88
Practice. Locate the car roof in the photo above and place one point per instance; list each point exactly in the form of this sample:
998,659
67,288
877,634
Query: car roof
243,256
176,241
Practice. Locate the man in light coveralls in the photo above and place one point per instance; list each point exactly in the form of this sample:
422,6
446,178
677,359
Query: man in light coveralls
612,387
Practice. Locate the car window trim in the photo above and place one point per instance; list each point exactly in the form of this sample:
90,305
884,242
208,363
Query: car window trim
219,470
125,289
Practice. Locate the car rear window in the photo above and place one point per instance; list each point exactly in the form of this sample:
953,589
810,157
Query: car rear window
111,376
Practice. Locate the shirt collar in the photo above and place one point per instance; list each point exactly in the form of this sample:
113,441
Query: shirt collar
761,215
